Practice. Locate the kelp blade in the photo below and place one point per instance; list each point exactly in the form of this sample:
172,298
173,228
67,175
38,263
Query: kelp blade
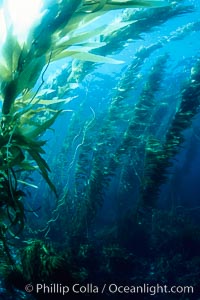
90,6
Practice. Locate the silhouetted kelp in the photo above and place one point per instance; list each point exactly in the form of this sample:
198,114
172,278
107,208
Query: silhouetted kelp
159,157
103,152
107,160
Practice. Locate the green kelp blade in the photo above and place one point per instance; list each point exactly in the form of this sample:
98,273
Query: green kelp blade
26,143
135,3
43,92
79,38
29,75
11,51
96,58
79,20
115,26
86,56
51,102
28,111
43,127
5,74
29,128
16,214
44,168
26,166
14,156
93,6
89,6
9,93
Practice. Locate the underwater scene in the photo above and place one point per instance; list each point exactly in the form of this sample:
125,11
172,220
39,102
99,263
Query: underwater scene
99,149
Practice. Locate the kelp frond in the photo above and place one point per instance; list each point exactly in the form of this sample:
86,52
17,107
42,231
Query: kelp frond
89,6
159,159
22,64
39,261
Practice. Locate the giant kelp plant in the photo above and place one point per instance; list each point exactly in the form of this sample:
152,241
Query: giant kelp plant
114,160
159,156
125,136
25,116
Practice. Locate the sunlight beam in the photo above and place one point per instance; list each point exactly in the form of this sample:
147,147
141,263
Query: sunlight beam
21,15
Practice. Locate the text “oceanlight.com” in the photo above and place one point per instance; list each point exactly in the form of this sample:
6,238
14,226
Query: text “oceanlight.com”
112,288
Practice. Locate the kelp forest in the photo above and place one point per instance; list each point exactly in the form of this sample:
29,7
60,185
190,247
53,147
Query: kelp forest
99,144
